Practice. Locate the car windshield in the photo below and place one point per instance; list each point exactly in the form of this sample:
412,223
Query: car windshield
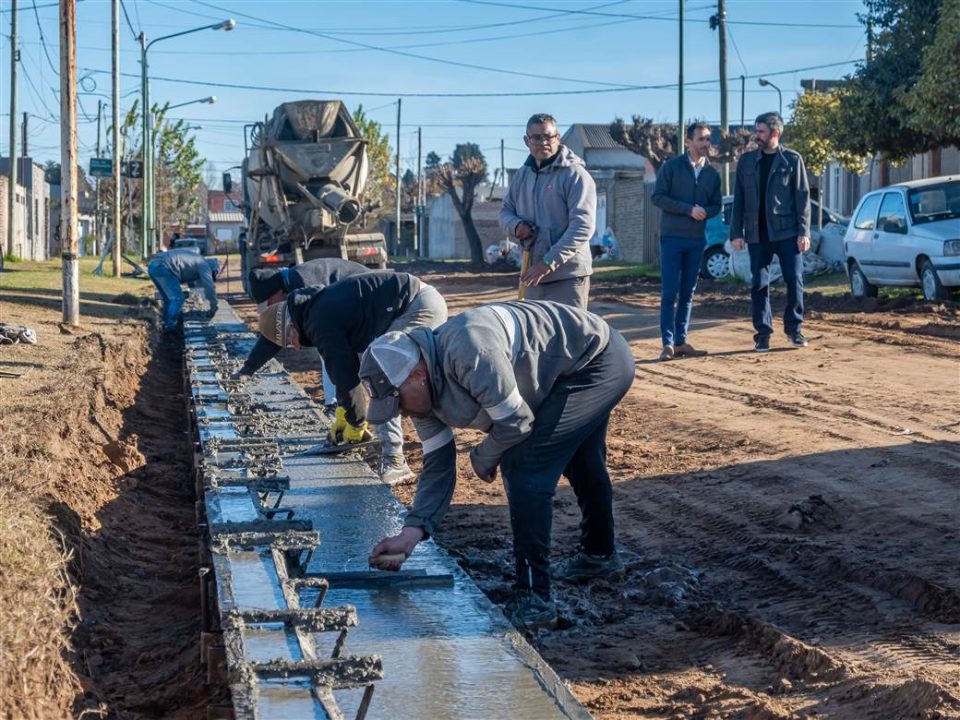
935,202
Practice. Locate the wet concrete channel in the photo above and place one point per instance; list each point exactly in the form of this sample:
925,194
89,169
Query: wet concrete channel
299,624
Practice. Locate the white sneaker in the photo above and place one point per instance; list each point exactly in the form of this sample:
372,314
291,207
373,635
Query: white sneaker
394,470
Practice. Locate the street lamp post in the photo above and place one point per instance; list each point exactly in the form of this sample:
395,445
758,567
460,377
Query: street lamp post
764,82
148,230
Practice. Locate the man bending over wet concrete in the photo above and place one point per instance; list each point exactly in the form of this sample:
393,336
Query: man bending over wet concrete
340,321
269,286
169,269
541,379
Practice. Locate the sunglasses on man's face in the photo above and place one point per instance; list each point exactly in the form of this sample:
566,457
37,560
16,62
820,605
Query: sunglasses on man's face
536,137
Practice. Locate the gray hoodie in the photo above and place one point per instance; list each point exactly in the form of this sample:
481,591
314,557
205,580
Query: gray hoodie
560,200
491,368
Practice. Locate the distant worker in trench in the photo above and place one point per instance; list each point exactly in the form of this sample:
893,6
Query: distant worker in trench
340,321
269,286
169,269
551,209
541,379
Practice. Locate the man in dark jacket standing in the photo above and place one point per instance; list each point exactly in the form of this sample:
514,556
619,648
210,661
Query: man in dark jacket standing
169,269
540,378
272,285
551,209
771,211
340,321
688,193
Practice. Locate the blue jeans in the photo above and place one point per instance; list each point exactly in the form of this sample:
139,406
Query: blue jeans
680,259
171,294
791,264
569,437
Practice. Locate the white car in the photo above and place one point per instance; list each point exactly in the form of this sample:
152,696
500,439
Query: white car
906,235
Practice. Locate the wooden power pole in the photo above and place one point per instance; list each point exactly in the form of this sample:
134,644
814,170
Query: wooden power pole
724,120
117,148
69,214
396,241
12,148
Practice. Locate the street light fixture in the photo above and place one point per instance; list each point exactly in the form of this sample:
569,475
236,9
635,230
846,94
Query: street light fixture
209,100
764,83
148,231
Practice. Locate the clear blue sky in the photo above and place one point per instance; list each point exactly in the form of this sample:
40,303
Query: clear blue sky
521,49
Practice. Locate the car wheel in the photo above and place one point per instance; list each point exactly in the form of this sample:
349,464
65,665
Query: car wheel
859,285
716,263
933,289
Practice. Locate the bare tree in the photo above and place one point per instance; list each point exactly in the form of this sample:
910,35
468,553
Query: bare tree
465,170
655,142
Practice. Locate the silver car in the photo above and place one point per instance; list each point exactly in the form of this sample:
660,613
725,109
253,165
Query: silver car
906,235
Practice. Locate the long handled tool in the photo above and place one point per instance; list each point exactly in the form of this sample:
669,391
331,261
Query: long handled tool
524,266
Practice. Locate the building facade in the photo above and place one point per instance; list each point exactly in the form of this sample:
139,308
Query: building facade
32,208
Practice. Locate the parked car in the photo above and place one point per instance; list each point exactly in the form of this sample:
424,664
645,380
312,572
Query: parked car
199,244
716,261
906,235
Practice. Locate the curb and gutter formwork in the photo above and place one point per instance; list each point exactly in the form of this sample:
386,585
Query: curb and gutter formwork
294,620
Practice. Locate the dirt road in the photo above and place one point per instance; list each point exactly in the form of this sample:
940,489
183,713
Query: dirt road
789,520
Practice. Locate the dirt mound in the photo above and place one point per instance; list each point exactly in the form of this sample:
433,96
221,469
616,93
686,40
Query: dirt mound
124,453
126,298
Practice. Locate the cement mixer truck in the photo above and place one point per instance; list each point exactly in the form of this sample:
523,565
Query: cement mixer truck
303,177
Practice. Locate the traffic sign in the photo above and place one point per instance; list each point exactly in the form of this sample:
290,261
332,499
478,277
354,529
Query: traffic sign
132,169
101,167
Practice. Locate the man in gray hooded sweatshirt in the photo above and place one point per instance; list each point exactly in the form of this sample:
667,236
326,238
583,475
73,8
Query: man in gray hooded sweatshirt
551,209
540,379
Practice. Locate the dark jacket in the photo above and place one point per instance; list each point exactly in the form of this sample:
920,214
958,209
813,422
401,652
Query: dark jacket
678,189
265,282
787,199
342,319
313,273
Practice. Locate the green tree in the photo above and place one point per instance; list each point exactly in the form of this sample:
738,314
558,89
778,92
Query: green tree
872,116
810,133
377,197
934,102
465,170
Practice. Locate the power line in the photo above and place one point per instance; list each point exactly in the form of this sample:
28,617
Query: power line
652,17
737,50
43,41
126,15
448,63
539,93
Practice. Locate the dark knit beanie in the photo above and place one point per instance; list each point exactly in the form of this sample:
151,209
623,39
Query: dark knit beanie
264,282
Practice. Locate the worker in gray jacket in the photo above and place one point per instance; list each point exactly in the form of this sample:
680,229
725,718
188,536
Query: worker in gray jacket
171,268
540,378
551,209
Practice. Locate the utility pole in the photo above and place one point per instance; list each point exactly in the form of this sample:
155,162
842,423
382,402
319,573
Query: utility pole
503,166
743,99
68,162
117,149
12,147
98,223
418,210
145,146
396,242
680,144
724,123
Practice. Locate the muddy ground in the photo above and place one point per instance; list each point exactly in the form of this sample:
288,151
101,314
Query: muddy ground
789,521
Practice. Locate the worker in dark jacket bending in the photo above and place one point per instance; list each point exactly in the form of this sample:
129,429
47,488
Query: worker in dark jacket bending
541,379
272,285
340,321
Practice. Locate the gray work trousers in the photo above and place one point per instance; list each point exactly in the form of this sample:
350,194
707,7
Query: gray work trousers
573,292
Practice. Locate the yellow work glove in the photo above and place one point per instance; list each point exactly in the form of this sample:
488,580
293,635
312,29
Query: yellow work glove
338,426
355,433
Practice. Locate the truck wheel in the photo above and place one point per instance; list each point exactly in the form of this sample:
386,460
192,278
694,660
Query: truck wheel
933,289
716,263
859,285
